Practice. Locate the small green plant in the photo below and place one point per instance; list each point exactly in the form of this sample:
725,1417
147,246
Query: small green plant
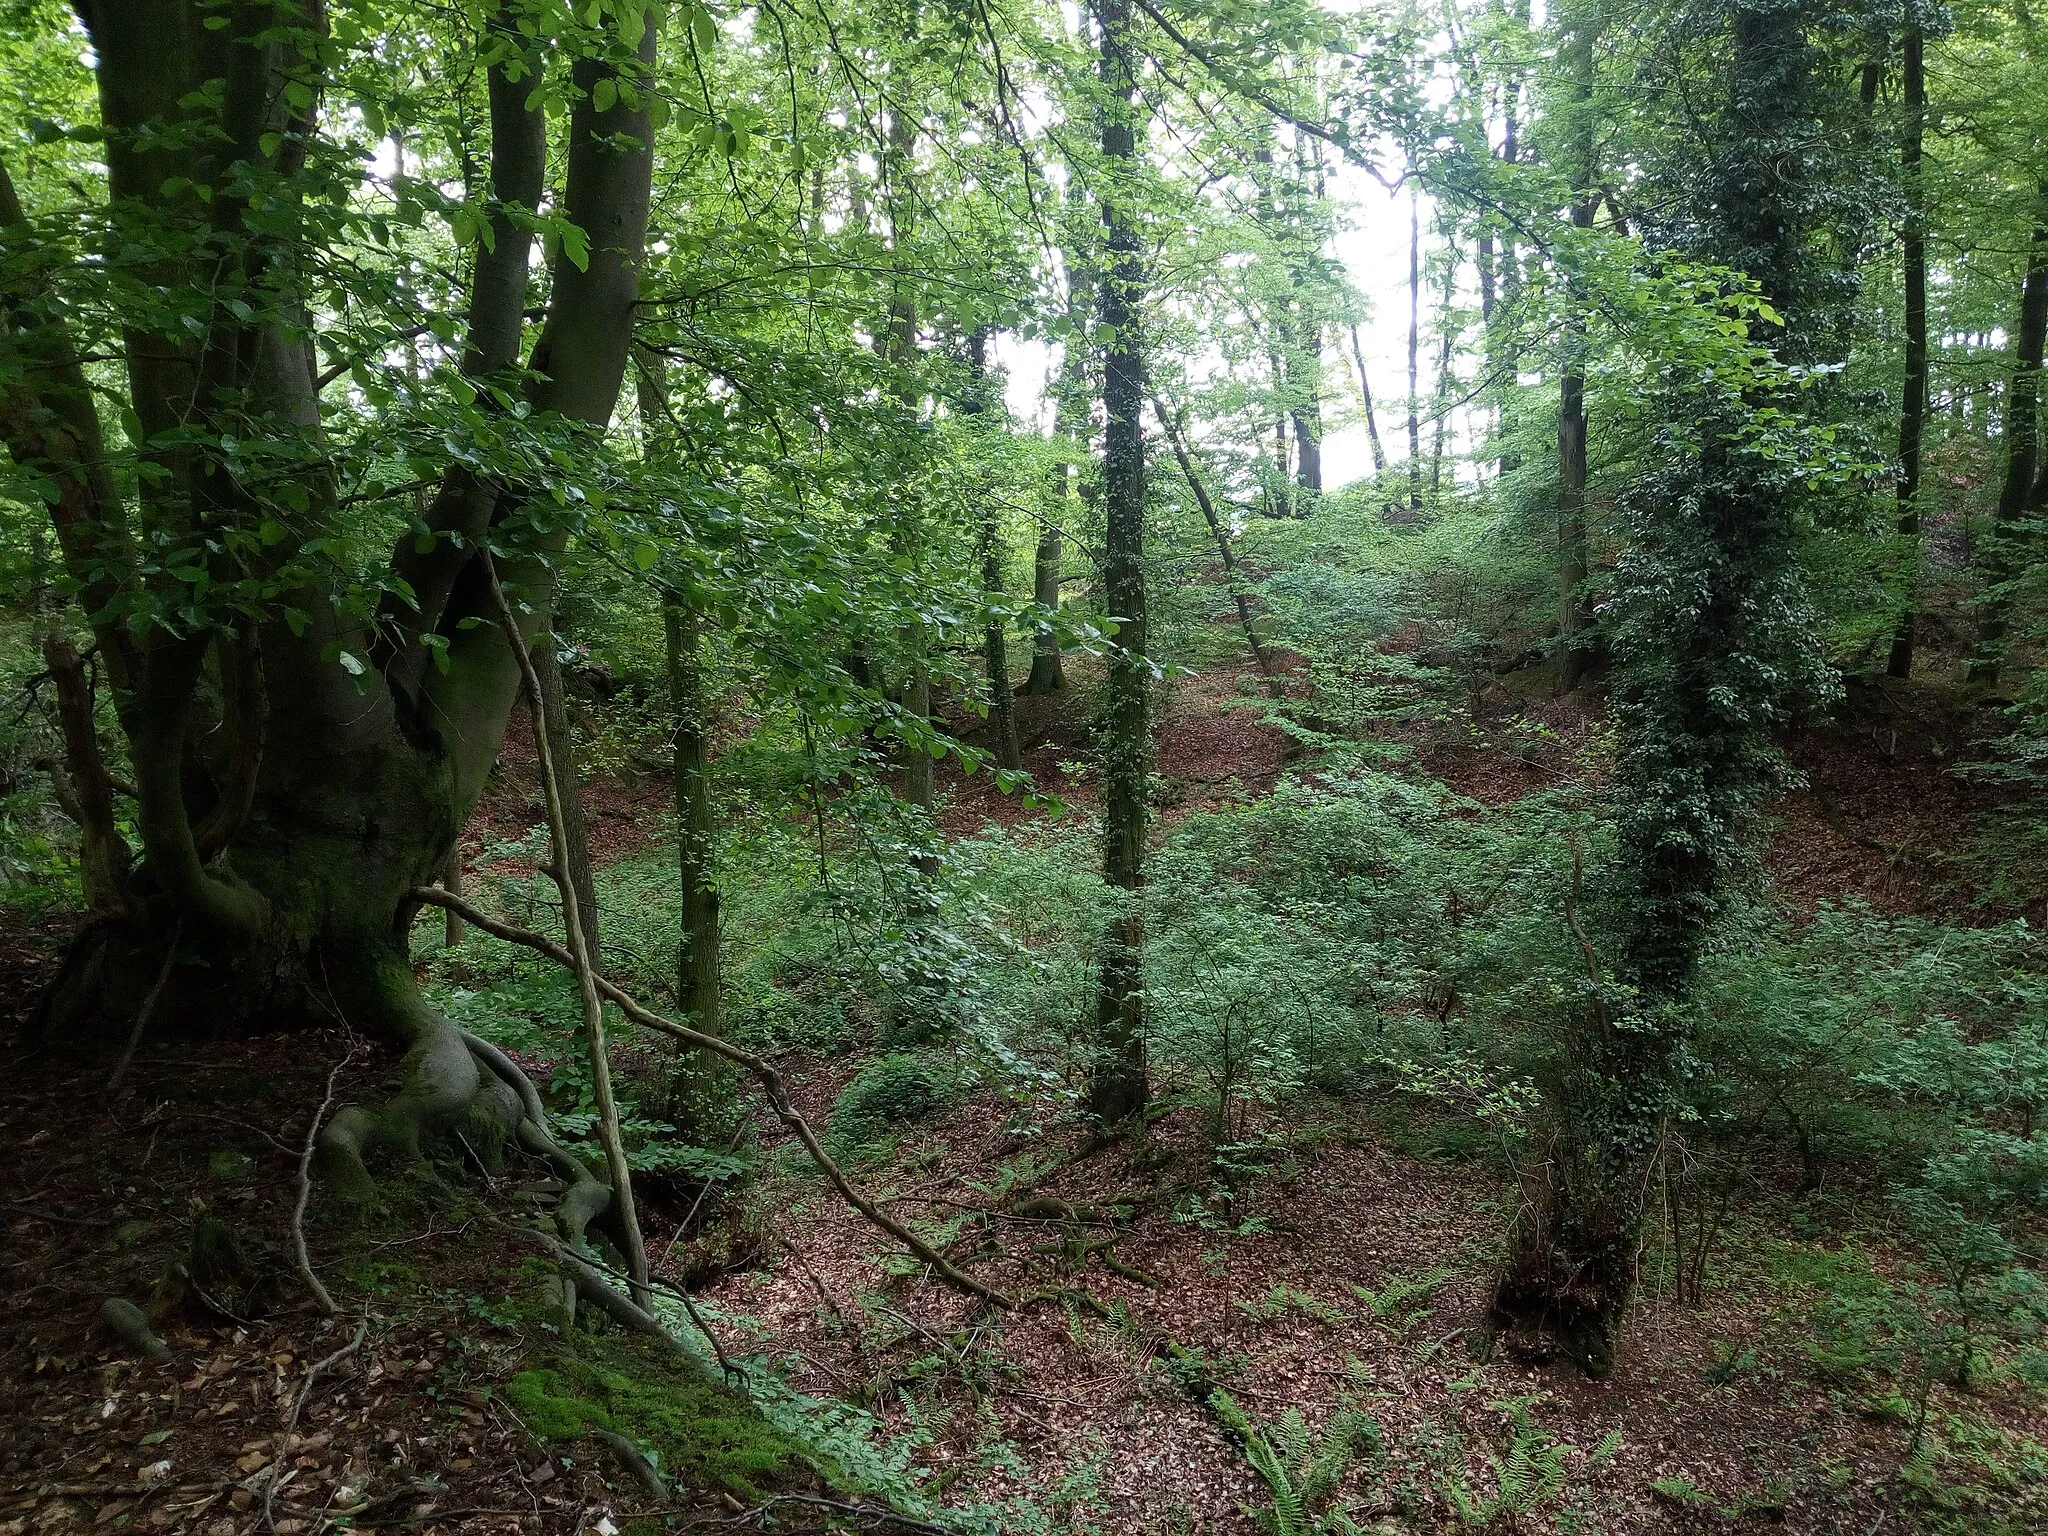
1285,1298
1526,1475
1300,1468
890,1091
1401,1298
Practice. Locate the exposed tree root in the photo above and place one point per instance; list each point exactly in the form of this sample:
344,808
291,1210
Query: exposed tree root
128,1323
762,1071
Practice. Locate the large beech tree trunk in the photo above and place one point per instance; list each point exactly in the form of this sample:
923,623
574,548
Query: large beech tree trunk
298,770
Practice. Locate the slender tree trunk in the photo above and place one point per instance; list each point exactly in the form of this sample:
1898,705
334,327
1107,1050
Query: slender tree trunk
103,855
899,344
1573,620
1048,672
700,1100
1283,460
995,641
1913,405
547,665
578,929
1070,426
1441,395
1999,558
1372,425
1120,1085
1233,576
1501,359
1414,353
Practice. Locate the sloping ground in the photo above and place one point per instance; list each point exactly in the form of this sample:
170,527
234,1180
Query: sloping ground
1339,1269
450,1403
1351,1273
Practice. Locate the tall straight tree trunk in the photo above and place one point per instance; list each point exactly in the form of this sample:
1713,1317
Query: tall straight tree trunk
1441,396
700,1101
547,666
1048,673
1120,1086
1283,460
1573,620
1372,425
899,345
1913,405
995,643
1998,560
1069,430
1414,353
1501,357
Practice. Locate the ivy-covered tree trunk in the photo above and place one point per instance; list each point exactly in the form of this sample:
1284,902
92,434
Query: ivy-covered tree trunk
700,1099
1120,1085
1713,642
298,769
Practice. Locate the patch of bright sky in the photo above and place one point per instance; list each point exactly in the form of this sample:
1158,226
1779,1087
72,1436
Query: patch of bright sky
1371,244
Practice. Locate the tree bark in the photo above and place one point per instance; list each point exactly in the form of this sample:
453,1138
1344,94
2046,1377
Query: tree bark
1913,405
289,857
1070,428
700,1092
1120,1087
103,856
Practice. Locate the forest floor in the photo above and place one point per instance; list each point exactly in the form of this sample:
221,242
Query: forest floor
1344,1264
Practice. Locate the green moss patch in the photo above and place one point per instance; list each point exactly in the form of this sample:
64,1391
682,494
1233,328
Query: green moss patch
703,1436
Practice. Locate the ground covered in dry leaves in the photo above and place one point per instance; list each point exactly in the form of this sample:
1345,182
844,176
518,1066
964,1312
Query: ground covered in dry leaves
1339,1276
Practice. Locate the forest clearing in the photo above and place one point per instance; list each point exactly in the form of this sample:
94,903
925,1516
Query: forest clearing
979,767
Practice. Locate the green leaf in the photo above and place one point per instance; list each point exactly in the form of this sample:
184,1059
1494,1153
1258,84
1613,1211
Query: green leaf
703,33
576,246
645,554
604,94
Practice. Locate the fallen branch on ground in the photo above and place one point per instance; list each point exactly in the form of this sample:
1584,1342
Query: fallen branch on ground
764,1072
305,1259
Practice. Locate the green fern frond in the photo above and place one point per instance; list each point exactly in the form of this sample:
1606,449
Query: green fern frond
1604,1452
1292,1440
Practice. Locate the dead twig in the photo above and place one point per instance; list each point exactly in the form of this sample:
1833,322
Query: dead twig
313,1373
305,1259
